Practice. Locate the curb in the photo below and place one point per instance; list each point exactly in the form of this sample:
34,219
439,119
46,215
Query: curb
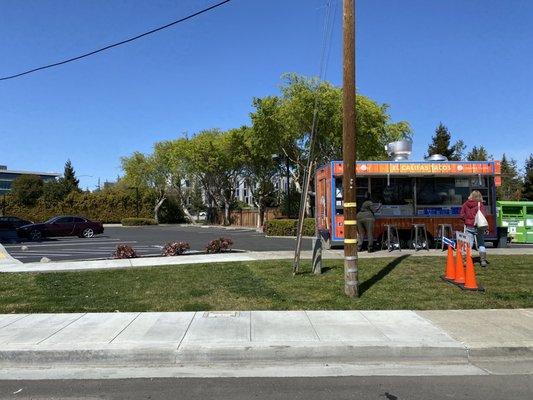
9,264
212,355
6,259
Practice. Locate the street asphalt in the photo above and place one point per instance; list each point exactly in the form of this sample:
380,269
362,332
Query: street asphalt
492,387
147,241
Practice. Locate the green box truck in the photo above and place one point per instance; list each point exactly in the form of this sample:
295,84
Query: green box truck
517,217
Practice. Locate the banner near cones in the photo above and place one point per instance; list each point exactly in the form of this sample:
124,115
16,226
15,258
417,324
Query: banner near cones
455,272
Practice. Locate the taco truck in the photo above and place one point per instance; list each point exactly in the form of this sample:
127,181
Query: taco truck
429,192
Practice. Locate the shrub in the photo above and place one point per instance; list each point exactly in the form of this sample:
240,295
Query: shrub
175,248
124,251
288,227
138,221
219,245
109,205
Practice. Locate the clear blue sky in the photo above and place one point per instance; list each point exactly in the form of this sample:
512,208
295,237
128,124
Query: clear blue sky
468,64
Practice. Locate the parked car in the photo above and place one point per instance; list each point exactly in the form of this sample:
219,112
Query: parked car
61,226
12,223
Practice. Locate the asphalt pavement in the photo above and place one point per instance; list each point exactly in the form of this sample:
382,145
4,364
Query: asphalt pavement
147,241
492,387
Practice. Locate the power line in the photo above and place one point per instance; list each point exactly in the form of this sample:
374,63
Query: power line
118,43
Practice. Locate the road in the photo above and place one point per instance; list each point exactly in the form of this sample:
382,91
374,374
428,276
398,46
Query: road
146,241
492,387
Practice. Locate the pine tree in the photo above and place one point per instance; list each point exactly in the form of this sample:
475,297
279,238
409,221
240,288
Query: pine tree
441,144
69,180
511,187
478,154
527,190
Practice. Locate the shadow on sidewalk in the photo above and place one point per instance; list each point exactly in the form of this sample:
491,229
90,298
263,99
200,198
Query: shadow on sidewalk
387,269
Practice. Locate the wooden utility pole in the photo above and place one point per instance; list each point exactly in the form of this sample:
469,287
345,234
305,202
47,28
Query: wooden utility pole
351,284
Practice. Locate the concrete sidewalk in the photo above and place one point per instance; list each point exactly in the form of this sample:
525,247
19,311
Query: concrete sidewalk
244,338
9,264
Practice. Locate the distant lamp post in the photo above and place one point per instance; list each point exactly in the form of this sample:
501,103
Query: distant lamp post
277,158
85,176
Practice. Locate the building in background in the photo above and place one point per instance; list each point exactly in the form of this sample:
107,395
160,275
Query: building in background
7,177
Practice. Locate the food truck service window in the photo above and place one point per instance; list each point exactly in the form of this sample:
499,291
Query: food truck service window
392,191
449,191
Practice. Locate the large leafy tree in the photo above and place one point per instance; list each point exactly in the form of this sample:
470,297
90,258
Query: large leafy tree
279,135
527,191
260,169
173,156
283,124
150,172
26,189
441,144
215,158
478,154
511,186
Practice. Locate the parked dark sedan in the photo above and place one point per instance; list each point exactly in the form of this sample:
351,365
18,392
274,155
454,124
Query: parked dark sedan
12,223
61,226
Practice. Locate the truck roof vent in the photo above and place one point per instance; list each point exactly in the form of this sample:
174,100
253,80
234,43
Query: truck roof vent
436,157
400,150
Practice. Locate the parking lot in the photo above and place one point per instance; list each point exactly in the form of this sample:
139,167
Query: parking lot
147,241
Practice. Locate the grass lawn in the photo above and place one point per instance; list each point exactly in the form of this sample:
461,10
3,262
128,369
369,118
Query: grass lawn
385,283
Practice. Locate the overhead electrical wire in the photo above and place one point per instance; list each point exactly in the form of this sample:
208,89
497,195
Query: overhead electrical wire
116,44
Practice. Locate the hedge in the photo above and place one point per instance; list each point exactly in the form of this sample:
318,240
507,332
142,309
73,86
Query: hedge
288,227
138,221
107,206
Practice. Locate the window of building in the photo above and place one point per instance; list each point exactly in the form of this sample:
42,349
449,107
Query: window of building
5,185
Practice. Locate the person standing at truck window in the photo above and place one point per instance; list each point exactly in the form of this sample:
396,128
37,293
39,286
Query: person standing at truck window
365,222
468,215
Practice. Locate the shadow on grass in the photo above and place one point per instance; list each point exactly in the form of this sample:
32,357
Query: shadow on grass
387,269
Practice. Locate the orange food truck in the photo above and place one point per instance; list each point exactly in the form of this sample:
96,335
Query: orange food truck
423,192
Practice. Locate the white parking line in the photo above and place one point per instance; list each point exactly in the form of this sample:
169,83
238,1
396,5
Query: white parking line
41,255
70,244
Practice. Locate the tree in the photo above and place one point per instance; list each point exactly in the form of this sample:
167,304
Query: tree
511,186
260,169
283,125
527,191
441,144
196,198
150,172
26,189
69,179
173,154
215,159
478,154
54,191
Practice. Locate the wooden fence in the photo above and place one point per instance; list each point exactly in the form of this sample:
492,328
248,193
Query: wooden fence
249,218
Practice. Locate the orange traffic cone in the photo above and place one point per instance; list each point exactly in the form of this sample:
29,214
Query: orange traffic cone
450,265
470,279
459,268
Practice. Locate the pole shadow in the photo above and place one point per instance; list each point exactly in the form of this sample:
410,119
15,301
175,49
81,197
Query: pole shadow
387,269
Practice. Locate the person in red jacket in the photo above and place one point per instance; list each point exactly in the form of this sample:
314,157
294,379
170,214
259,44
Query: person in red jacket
468,215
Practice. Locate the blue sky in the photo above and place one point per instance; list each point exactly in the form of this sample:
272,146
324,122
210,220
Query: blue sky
466,63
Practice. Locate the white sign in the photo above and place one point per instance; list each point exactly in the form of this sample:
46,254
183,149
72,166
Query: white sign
465,237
